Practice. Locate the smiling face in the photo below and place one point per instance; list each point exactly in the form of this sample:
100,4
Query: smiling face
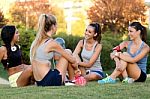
90,32
133,33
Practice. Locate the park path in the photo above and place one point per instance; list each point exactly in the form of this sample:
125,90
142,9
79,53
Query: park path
3,81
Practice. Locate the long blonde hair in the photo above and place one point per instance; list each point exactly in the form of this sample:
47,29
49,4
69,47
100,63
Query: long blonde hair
44,25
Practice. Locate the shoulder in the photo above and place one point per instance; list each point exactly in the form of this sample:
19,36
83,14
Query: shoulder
146,47
81,42
52,44
98,46
3,49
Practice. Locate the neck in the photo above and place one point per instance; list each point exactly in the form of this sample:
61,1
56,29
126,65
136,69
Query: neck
137,41
90,41
12,43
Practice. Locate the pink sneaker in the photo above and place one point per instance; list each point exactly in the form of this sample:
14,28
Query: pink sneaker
80,81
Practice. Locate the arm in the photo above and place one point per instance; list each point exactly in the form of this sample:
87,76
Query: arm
127,58
54,46
93,58
77,50
121,45
119,48
2,51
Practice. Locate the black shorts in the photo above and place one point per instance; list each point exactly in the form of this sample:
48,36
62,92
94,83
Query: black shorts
52,78
142,77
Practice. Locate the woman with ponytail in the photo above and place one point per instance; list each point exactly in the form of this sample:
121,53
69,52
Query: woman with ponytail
42,52
90,49
10,56
132,63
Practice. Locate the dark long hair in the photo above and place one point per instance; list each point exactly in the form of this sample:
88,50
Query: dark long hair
138,26
97,29
7,35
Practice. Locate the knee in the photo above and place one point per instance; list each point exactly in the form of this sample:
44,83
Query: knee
29,69
69,51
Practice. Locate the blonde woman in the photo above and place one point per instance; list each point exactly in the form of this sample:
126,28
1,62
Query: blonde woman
42,52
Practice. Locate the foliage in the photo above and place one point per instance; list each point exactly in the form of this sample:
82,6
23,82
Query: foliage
115,15
26,13
2,19
108,42
70,40
26,38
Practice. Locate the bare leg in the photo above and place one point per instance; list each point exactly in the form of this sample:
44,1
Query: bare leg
71,72
92,77
25,77
61,66
133,71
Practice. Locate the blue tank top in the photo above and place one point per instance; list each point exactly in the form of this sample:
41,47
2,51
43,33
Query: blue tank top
86,56
141,63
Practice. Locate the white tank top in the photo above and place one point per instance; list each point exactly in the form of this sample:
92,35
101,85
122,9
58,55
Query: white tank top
86,56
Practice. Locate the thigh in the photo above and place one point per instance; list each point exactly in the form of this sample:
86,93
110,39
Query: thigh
92,76
133,71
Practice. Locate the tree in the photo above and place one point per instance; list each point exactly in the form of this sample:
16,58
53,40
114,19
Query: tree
115,15
2,19
27,12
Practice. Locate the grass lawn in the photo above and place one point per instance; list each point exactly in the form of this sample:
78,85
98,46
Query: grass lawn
91,91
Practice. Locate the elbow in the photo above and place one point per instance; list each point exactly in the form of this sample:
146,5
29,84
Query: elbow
133,61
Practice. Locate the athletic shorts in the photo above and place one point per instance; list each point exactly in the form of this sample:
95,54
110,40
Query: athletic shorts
142,77
13,79
52,78
99,73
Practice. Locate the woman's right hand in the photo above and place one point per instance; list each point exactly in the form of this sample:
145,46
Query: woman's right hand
77,72
112,55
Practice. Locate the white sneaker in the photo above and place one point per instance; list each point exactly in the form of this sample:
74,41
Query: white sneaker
69,83
128,80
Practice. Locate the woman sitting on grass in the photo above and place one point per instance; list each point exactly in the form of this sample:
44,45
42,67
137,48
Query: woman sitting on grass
90,49
132,64
42,52
10,56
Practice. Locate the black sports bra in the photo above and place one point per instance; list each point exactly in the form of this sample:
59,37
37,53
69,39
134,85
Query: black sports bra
14,58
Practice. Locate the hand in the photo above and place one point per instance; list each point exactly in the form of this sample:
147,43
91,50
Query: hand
77,72
112,55
75,65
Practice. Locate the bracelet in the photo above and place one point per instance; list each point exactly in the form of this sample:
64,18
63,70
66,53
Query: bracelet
117,48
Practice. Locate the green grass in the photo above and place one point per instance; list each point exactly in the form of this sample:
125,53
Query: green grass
91,91
3,72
